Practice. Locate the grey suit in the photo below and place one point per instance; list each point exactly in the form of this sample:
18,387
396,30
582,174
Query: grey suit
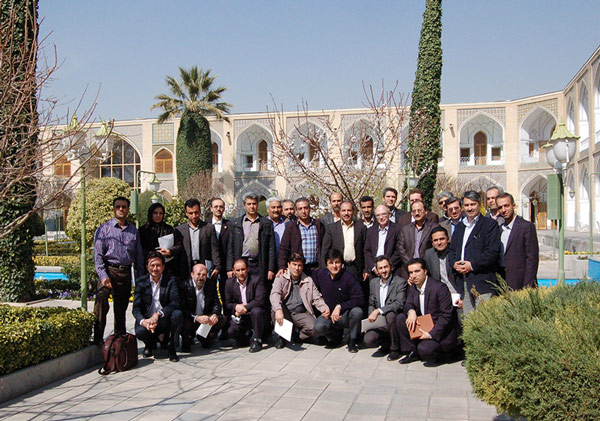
327,219
394,302
432,259
408,243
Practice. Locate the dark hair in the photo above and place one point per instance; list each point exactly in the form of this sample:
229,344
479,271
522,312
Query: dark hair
452,200
415,190
250,195
241,259
190,203
504,196
440,228
418,201
381,259
216,198
301,199
153,254
287,201
365,199
296,257
123,198
387,189
151,210
417,260
334,254
472,195
500,189
347,201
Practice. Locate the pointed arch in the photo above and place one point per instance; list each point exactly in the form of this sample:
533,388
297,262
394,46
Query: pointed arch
571,116
583,216
584,127
480,125
534,201
123,163
256,187
247,147
361,142
163,161
216,151
536,129
570,207
307,139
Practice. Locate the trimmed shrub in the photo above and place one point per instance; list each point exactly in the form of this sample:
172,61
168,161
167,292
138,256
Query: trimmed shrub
32,335
175,211
536,353
55,260
63,248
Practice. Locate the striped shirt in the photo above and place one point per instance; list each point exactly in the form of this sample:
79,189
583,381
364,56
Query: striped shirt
310,239
117,245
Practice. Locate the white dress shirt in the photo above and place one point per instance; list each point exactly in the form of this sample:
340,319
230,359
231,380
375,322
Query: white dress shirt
218,225
506,230
381,242
243,290
468,230
383,291
156,307
199,301
422,296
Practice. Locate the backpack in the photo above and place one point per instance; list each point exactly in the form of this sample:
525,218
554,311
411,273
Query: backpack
119,353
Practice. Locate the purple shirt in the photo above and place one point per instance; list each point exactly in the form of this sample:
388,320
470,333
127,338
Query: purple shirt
117,245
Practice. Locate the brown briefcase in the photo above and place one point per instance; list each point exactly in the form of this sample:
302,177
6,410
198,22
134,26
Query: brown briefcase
423,322
119,353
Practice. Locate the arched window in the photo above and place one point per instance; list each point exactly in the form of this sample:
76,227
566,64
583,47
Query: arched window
123,163
480,144
62,167
214,149
263,156
253,149
163,162
367,149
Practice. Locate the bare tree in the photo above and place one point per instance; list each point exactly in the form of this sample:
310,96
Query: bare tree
32,143
203,187
316,158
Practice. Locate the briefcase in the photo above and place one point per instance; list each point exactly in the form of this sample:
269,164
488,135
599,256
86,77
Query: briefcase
119,353
423,322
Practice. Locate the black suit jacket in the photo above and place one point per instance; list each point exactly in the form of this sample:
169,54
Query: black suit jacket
327,219
406,218
334,239
266,245
255,294
142,296
521,257
483,250
182,250
408,243
187,292
397,214
394,300
291,241
438,303
432,260
223,242
391,248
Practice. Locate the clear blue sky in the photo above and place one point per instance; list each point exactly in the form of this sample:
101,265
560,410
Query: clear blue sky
317,51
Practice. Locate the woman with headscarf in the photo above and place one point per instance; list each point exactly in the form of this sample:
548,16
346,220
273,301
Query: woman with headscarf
154,228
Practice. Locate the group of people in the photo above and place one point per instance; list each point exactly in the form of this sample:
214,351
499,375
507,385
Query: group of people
239,278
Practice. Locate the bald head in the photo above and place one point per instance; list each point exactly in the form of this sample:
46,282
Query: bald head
382,213
199,275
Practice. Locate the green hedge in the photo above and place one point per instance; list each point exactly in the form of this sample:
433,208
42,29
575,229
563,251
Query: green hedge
56,260
62,248
536,353
32,335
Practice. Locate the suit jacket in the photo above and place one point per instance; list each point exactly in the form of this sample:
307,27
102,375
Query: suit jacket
391,248
255,294
521,257
334,239
187,292
142,296
397,214
406,218
182,250
291,242
482,249
432,260
266,245
438,303
222,243
408,243
394,300
327,219
309,293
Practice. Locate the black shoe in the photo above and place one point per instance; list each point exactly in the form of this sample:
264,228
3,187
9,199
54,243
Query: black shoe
381,352
352,347
207,343
280,344
186,348
412,357
173,356
320,340
394,355
255,346
332,344
148,352
463,363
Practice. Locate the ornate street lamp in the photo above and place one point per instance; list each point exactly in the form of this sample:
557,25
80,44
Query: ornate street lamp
153,185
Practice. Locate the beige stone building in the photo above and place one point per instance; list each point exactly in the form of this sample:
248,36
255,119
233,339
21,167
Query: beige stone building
484,143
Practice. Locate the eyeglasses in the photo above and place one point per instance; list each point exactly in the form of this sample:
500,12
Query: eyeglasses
442,202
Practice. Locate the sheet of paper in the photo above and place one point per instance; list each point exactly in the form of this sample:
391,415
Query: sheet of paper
203,330
365,324
455,298
167,242
284,330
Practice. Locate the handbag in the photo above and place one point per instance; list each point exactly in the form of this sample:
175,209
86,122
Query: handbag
119,352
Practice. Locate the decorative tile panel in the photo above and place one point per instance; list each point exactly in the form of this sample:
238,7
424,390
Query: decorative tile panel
240,125
163,133
549,104
499,113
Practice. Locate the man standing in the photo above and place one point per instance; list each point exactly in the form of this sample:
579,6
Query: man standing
342,293
348,237
492,209
442,201
390,196
383,239
221,226
288,211
475,253
437,261
196,242
414,195
294,297
335,200
367,206
251,237
274,215
304,237
200,306
116,248
455,214
156,307
520,246
415,237
386,298
245,300
427,296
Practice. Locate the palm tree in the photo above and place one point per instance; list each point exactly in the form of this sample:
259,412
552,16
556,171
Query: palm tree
192,98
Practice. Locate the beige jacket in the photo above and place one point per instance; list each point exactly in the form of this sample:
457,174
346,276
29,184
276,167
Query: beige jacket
309,293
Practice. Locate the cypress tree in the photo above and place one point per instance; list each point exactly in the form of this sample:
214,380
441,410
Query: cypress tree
425,113
193,146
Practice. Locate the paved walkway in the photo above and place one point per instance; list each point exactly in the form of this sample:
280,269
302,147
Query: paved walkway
304,383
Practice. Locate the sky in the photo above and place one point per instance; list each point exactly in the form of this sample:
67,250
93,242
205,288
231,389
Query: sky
117,53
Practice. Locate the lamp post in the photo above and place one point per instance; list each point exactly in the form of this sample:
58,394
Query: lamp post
154,186
562,152
592,174
86,148
412,183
